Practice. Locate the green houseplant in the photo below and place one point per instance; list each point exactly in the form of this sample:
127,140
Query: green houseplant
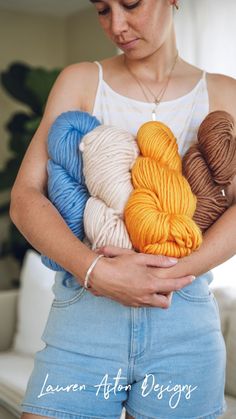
31,87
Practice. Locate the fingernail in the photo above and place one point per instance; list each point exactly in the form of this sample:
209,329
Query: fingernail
173,260
192,278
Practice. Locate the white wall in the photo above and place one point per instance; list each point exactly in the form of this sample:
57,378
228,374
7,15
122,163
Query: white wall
206,33
85,38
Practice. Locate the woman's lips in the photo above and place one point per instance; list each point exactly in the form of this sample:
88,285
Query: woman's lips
129,44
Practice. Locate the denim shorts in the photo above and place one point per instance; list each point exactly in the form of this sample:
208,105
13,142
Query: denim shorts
100,355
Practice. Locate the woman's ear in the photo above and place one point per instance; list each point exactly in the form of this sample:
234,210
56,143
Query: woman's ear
175,3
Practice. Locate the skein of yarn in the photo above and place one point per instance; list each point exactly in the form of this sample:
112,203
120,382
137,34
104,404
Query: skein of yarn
210,165
159,212
66,183
108,156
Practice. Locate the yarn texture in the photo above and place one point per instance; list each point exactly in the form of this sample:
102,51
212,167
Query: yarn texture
114,189
159,212
108,156
210,166
66,184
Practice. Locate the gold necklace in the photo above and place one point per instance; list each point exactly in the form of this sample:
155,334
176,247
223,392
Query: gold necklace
159,96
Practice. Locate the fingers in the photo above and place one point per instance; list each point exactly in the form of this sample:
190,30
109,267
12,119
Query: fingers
158,300
162,301
154,300
158,261
159,285
112,251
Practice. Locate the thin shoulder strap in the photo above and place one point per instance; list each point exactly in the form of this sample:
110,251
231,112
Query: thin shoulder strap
100,71
204,79
204,75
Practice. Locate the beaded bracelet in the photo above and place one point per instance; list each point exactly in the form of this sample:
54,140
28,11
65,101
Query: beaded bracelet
88,273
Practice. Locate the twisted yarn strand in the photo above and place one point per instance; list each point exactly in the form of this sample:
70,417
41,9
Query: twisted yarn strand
108,156
66,183
210,166
159,212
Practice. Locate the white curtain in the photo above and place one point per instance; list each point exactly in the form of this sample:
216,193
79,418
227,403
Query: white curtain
206,34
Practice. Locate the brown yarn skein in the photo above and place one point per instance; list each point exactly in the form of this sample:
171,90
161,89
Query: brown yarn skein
210,166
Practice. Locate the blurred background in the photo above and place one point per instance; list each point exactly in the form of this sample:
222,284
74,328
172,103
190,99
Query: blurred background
37,39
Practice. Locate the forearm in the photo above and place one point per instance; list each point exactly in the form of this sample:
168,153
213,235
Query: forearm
42,226
219,244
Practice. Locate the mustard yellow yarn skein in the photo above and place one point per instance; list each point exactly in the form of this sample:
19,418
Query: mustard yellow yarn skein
158,214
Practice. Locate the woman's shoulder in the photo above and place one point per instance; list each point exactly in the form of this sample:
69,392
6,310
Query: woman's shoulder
222,90
74,88
83,78
78,80
78,70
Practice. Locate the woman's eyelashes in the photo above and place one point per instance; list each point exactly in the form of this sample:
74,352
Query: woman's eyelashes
125,6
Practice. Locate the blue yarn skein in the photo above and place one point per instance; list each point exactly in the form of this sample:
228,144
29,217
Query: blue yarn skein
66,184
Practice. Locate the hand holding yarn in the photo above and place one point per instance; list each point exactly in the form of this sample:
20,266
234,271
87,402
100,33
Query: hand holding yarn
108,157
109,154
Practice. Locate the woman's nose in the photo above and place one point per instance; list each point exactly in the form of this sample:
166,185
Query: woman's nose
119,23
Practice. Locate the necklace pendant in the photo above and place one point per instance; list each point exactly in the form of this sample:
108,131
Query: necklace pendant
154,115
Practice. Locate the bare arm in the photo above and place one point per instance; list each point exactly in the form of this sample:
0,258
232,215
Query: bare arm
219,241
128,278
219,244
31,211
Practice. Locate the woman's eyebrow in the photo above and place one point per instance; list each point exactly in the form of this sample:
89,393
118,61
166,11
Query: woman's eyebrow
95,1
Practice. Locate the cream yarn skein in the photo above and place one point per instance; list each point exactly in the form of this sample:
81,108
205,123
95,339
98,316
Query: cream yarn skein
108,156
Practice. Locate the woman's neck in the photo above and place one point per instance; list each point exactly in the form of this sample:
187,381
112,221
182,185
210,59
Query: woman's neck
155,67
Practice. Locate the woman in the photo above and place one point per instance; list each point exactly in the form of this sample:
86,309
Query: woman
121,348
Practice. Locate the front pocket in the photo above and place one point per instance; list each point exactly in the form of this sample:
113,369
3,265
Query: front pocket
195,298
67,290
198,291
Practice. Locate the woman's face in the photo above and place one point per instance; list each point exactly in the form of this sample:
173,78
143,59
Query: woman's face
137,27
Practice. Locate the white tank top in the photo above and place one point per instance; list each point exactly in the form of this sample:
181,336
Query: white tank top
182,115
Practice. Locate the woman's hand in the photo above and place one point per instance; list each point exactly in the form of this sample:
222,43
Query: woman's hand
132,278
